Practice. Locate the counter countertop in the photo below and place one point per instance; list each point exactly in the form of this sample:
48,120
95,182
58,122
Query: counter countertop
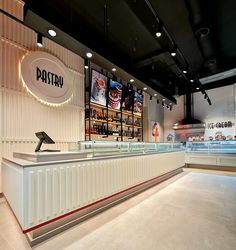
27,163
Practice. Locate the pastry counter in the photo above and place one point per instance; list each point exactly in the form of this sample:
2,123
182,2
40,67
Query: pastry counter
49,191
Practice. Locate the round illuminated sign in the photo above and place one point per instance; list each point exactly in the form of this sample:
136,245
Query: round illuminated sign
46,77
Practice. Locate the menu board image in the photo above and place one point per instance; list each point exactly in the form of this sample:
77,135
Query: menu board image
138,103
128,99
114,95
98,88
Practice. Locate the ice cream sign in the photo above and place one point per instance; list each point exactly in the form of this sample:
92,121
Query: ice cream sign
46,78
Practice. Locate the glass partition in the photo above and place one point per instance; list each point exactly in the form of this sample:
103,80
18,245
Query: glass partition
102,148
221,147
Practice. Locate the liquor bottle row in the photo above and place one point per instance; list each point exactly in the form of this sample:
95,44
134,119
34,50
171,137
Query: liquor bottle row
103,116
102,130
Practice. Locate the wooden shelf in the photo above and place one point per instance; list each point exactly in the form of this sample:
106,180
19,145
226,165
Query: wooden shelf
97,105
114,110
127,125
126,113
137,116
137,126
103,121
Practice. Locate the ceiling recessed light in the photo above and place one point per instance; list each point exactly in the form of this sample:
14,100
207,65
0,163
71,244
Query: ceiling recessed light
86,66
191,80
173,53
197,88
185,71
52,32
158,34
114,69
155,94
145,88
163,99
89,55
131,80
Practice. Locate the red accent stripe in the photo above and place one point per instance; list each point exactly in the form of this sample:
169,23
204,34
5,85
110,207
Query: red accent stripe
92,204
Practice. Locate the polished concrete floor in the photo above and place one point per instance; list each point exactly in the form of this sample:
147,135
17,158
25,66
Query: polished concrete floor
194,210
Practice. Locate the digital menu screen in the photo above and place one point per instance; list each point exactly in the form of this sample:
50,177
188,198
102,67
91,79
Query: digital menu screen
98,88
114,95
127,99
138,103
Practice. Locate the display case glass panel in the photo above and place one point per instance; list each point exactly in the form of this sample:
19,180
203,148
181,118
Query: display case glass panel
103,148
221,147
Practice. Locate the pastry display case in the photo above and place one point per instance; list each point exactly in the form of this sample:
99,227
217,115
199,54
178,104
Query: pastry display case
211,147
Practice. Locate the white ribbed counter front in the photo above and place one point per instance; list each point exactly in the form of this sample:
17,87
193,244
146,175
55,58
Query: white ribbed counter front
47,194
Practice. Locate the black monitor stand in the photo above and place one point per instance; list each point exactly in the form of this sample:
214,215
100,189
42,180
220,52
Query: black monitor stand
44,138
39,145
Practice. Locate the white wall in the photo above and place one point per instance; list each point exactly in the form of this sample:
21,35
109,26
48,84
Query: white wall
222,109
20,114
171,117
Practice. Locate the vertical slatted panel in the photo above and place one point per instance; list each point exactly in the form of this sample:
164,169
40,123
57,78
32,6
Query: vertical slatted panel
70,186
21,114
14,7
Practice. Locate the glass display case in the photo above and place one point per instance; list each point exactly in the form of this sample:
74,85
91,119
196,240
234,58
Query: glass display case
102,148
220,147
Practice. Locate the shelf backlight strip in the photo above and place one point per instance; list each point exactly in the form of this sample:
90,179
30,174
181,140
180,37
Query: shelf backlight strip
36,97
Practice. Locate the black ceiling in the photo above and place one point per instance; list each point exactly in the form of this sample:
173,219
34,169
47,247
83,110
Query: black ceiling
123,31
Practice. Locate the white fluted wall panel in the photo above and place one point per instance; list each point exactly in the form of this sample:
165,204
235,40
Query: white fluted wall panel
54,190
13,7
20,114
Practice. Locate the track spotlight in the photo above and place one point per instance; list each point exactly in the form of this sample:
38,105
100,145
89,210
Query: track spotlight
167,106
174,50
159,30
191,80
86,64
150,97
155,94
205,96
113,69
185,71
170,108
158,101
131,80
145,88
163,104
209,101
197,88
39,40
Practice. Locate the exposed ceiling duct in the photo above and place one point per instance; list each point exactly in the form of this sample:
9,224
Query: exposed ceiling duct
202,34
189,121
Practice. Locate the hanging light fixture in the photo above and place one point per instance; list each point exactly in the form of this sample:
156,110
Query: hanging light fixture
39,40
159,30
86,64
174,50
